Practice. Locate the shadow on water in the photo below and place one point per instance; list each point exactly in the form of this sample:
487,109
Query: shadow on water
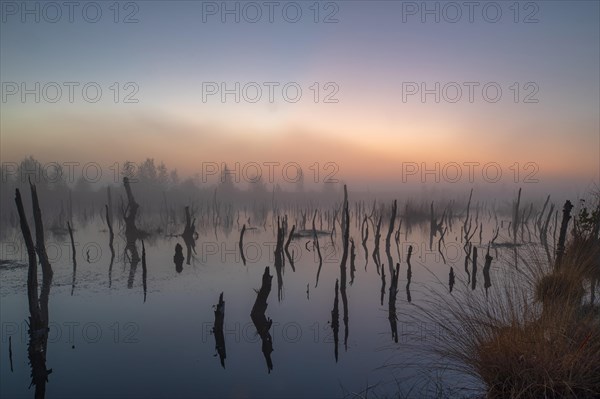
261,322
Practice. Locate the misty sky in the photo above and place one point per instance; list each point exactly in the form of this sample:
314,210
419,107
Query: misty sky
369,57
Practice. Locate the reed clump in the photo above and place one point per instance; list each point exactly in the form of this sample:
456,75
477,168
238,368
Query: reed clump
555,355
537,333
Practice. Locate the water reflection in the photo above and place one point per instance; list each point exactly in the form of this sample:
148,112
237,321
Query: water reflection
131,253
261,322
346,239
382,285
38,307
474,275
222,273
144,270
279,259
108,218
487,282
335,320
388,238
178,258
218,330
10,353
287,245
409,274
74,257
376,257
392,303
241,244
364,232
318,248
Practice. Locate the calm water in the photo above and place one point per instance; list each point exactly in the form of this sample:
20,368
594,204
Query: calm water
110,339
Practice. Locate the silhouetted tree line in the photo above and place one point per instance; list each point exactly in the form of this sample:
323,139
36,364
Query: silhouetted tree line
69,197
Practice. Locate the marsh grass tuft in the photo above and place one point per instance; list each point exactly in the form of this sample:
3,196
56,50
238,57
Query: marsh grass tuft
536,333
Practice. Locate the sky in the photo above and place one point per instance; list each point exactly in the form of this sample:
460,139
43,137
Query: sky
385,86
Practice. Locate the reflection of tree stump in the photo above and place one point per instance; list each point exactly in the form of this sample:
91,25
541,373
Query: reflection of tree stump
392,317
178,258
38,308
241,244
487,282
376,257
346,239
388,238
261,322
279,259
287,252
335,320
218,330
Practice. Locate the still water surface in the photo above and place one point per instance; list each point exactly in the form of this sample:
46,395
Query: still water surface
109,338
